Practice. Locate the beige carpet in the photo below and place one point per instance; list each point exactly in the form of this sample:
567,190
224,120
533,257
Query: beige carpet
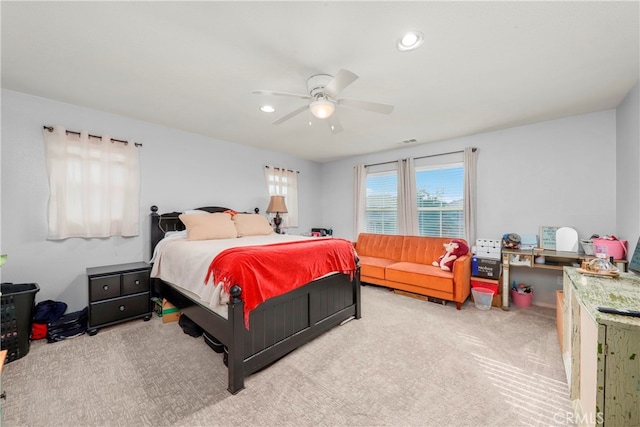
406,362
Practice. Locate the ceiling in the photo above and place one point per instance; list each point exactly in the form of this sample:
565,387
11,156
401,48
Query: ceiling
193,65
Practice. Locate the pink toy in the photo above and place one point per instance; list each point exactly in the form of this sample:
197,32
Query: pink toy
453,250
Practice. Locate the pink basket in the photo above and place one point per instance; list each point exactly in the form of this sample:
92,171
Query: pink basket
613,248
521,300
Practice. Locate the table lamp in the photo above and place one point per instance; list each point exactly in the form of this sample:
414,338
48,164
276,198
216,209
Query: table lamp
277,206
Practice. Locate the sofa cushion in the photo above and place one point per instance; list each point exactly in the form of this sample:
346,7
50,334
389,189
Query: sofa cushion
373,266
423,250
380,245
426,276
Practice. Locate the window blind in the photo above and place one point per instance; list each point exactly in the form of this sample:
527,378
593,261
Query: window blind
382,202
440,197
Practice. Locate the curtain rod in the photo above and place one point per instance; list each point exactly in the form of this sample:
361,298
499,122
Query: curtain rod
50,129
276,168
474,149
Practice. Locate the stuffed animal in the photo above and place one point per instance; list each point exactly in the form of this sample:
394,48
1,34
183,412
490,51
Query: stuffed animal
453,250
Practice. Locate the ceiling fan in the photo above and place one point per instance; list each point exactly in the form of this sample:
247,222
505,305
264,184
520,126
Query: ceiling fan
323,93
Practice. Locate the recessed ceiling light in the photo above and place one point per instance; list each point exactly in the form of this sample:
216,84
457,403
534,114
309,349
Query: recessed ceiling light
267,109
410,40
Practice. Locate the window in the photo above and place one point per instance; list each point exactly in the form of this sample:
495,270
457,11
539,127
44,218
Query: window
94,185
439,198
382,202
284,182
440,204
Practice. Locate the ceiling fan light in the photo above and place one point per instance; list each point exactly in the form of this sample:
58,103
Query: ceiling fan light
321,108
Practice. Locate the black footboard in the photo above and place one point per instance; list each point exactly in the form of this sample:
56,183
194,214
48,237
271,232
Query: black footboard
277,326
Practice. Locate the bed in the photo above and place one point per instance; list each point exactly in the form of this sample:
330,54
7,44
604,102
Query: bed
276,326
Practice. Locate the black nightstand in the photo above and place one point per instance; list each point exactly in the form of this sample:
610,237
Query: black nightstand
118,293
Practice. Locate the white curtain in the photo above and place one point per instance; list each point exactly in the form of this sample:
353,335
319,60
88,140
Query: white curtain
407,198
94,185
284,182
470,169
360,199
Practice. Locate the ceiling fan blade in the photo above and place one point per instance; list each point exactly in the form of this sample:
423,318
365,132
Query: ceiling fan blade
342,79
366,105
291,114
270,92
334,124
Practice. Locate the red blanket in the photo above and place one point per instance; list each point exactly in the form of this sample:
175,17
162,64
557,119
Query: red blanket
267,271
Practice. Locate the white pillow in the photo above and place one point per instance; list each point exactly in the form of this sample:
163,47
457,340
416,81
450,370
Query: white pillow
209,227
252,225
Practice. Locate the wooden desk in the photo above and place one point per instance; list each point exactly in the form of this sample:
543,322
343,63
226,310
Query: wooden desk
553,260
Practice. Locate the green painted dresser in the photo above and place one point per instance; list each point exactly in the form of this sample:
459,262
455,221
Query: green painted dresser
601,351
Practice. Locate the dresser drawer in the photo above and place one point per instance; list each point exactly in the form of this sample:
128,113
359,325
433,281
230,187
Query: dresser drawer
118,309
104,287
136,282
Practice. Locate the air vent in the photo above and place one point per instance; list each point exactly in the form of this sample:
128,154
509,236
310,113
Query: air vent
407,141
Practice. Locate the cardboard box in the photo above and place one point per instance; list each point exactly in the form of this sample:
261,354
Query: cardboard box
485,267
488,243
170,312
486,252
487,248
496,301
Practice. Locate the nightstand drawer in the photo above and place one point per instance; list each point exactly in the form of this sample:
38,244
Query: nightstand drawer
104,287
118,309
136,282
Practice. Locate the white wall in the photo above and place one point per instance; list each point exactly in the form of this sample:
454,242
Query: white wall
179,170
628,172
560,172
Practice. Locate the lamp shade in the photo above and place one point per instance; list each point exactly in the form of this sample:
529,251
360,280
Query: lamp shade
321,108
277,205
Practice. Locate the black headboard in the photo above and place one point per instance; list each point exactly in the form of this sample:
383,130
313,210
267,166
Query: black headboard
161,223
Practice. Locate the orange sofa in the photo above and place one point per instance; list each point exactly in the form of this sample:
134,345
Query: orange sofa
405,263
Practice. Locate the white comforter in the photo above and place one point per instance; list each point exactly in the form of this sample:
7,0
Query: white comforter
184,263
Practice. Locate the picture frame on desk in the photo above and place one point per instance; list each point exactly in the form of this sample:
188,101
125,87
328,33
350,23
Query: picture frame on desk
548,236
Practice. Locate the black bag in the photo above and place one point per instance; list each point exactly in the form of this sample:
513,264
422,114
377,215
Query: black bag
189,327
68,326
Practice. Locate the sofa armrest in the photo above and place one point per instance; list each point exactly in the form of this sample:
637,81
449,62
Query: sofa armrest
462,278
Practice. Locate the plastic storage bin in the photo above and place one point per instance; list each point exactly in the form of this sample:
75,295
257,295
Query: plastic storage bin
482,297
18,300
